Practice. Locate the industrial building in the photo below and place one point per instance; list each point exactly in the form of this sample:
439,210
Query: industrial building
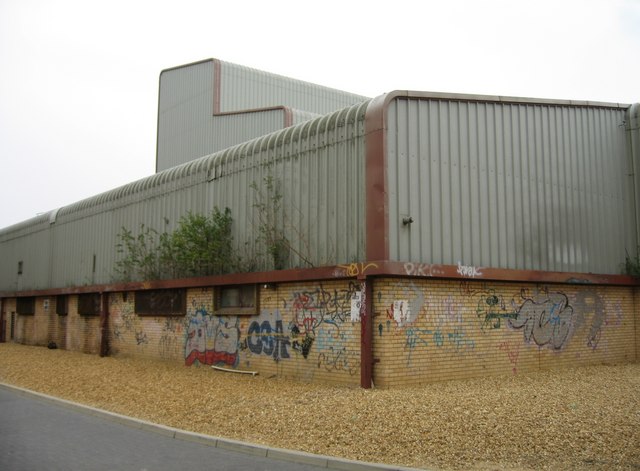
429,236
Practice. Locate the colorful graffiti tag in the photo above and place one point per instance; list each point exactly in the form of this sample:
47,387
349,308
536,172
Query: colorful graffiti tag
212,340
266,336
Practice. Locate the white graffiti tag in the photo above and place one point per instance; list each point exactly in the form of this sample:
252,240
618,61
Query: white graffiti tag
468,271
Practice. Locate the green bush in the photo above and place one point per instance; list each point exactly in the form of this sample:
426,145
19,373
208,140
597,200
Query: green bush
200,245
632,264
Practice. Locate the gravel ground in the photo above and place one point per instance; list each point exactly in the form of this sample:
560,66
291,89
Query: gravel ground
584,418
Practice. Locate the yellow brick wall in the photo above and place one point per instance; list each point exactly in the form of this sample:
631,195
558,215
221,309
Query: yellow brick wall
270,343
637,319
423,330
436,330
143,336
82,332
57,326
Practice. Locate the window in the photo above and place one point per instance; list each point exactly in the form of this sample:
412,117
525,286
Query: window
236,300
89,304
161,302
20,265
62,305
26,306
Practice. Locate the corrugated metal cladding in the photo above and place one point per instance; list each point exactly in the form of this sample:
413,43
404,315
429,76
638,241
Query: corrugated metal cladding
190,127
509,185
318,166
633,129
244,88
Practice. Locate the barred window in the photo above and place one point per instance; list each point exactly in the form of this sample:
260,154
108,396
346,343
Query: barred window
62,305
26,306
236,300
89,304
161,302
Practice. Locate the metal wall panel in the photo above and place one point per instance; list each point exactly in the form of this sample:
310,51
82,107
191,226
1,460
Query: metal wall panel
250,104
318,166
508,185
244,88
632,126
31,234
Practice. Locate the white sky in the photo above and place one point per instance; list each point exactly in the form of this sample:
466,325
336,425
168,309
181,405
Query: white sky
79,79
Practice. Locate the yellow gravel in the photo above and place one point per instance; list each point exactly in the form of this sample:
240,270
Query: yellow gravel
584,418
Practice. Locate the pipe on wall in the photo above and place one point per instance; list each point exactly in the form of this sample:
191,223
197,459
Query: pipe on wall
104,324
366,333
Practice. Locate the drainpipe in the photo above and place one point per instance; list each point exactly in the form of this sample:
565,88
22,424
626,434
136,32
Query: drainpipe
366,332
3,323
633,130
104,324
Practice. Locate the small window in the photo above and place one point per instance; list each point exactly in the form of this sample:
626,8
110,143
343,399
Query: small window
62,305
161,302
26,306
236,300
89,304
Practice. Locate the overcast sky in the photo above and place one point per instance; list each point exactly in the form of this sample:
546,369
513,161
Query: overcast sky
79,79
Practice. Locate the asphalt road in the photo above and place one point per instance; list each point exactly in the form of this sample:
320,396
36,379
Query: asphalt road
37,434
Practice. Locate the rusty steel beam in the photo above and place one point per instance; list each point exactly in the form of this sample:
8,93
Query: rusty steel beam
347,271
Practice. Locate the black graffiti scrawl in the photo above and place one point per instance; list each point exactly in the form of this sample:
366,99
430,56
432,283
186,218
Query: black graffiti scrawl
546,320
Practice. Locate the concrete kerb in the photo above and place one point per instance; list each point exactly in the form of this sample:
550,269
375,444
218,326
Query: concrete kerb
322,461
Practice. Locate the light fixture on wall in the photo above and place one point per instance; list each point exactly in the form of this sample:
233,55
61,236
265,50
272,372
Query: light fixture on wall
268,286
407,220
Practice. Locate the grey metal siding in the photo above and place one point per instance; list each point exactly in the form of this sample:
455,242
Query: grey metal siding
251,103
318,165
508,185
632,125
243,88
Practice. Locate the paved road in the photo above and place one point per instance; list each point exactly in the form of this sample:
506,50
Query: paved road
38,434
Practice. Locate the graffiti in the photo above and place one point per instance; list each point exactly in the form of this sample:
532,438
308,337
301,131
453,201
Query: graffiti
127,320
141,338
339,359
313,308
329,337
303,346
168,346
416,337
616,318
456,341
404,312
212,340
357,305
263,338
445,311
468,271
422,269
513,352
492,310
356,269
590,302
400,313
546,321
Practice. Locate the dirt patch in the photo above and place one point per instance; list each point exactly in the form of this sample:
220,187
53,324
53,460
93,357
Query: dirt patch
584,418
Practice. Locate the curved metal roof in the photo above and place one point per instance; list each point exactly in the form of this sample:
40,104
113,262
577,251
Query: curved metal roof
198,170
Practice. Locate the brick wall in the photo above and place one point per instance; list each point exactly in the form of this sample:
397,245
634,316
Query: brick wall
431,330
302,331
425,330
